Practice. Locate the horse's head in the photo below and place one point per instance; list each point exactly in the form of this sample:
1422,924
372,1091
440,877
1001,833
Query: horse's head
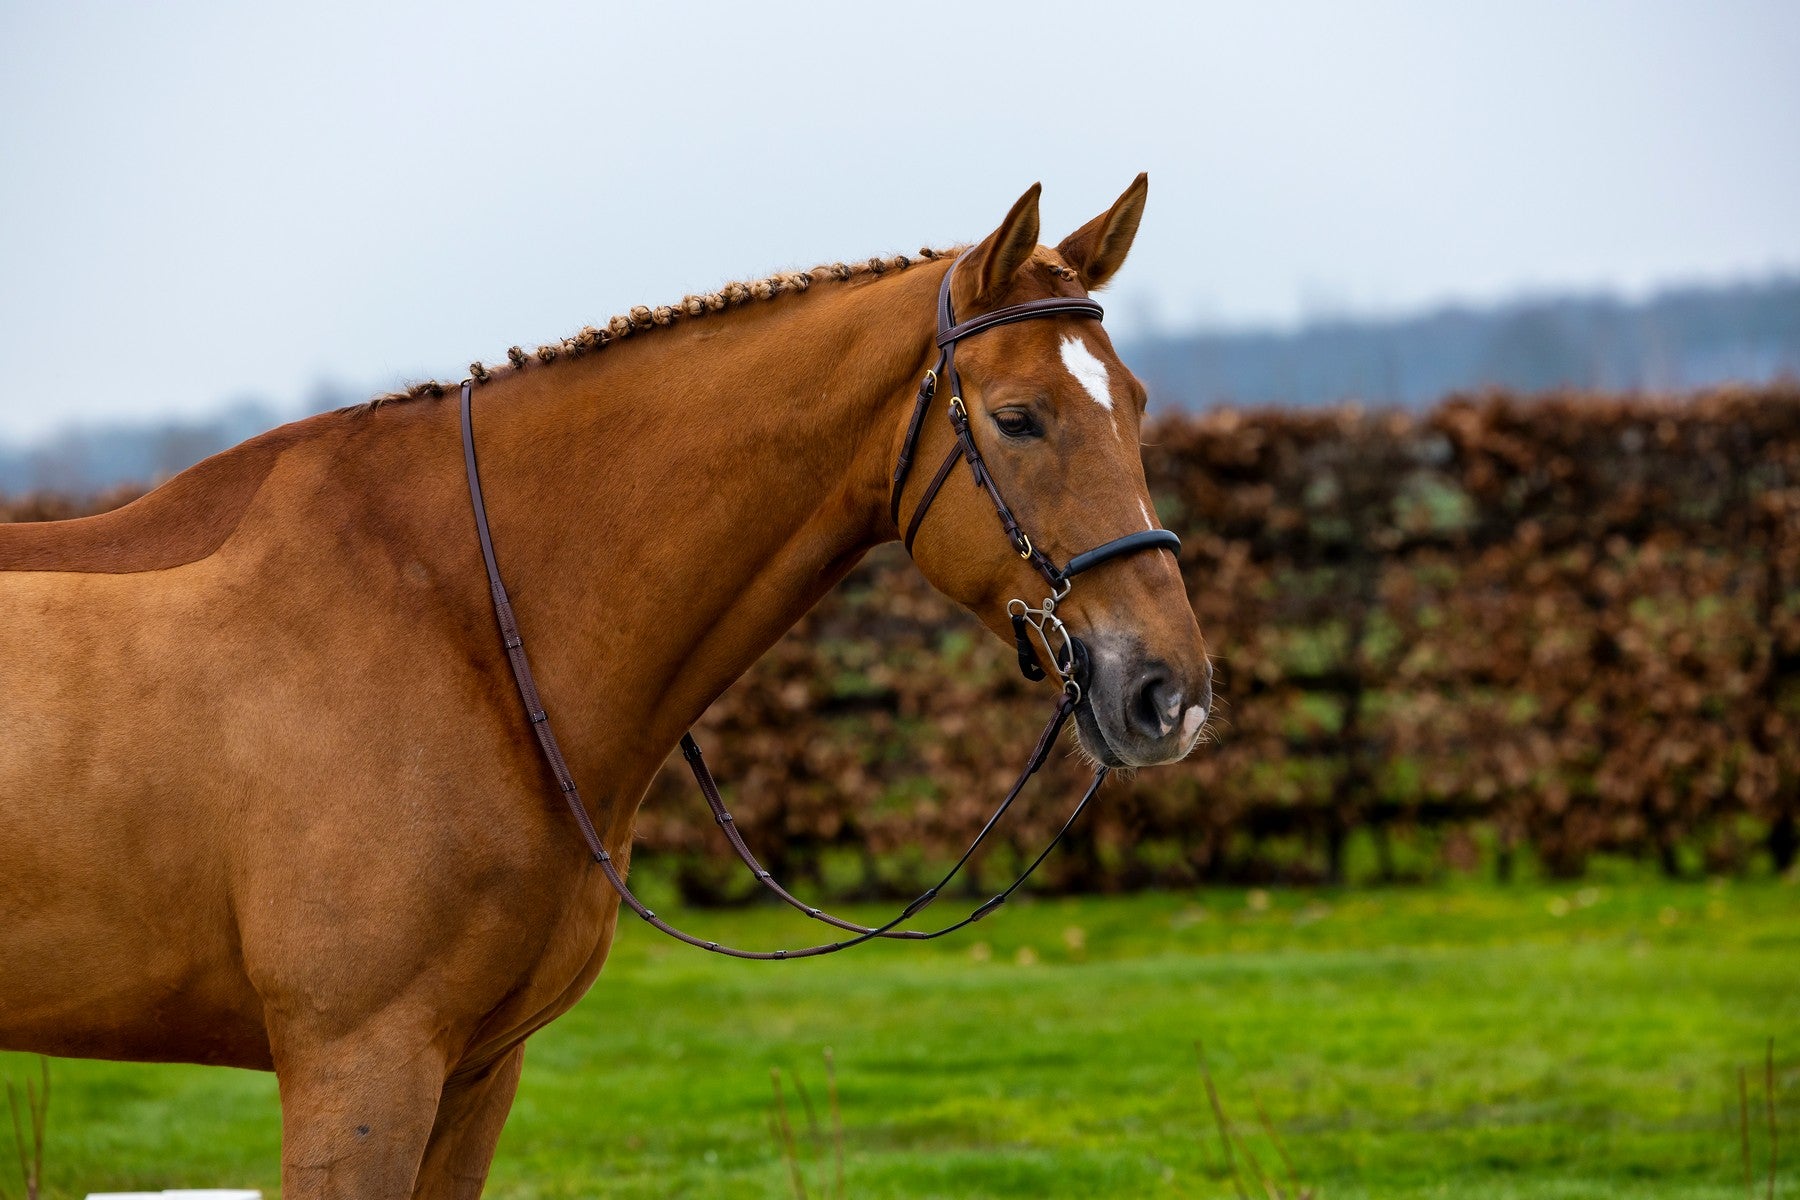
1055,418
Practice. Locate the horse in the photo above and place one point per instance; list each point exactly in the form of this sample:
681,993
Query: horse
268,798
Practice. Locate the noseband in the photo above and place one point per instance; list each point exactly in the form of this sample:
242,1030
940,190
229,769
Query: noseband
1066,653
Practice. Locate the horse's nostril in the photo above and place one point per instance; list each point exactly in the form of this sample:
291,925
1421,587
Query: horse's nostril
1156,708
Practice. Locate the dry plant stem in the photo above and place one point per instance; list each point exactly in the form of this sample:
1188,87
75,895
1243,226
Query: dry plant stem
837,1121
37,1104
787,1136
12,1104
1287,1163
815,1136
1768,1103
775,1134
1268,1185
1222,1122
812,1118
1744,1130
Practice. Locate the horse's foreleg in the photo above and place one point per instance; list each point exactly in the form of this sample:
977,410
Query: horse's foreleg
469,1118
356,1111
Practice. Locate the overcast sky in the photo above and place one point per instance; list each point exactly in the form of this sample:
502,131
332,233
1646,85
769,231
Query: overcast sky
202,202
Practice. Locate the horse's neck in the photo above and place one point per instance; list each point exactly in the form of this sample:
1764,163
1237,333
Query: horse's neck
665,510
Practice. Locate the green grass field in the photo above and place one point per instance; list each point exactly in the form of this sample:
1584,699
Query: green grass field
1466,1041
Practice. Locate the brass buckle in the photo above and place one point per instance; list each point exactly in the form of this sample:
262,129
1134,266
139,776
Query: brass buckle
1026,552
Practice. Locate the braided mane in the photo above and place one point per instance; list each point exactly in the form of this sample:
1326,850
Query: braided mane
643,319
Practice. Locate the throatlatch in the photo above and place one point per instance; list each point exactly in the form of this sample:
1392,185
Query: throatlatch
1065,652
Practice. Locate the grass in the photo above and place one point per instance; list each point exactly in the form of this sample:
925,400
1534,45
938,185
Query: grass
1465,1041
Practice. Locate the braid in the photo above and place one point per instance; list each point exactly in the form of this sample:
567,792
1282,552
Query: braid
643,318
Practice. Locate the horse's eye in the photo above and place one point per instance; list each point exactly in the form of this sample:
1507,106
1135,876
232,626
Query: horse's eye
1016,422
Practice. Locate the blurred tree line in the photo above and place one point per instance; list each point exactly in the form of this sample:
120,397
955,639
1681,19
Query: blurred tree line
1676,341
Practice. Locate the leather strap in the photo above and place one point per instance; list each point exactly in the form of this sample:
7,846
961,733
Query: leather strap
1054,305
1015,533
1131,543
515,643
690,750
931,491
903,465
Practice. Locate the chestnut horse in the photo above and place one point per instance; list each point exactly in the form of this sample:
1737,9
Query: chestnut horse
267,795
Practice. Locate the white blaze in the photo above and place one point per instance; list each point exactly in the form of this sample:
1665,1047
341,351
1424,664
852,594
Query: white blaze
1090,373
1150,523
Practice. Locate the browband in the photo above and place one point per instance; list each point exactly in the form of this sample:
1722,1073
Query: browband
1021,312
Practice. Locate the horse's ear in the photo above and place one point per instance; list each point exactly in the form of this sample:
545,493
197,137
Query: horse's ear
1097,250
1004,251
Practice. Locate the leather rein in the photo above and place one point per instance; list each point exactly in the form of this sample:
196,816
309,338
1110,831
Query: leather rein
1032,627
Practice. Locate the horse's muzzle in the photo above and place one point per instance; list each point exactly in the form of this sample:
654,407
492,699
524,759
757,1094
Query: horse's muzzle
1139,711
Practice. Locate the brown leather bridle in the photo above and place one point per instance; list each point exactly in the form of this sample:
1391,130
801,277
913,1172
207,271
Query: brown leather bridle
1066,654
1065,651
